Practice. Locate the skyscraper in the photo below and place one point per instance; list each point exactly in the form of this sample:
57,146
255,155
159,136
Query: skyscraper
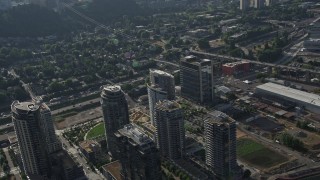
196,80
244,4
138,154
27,123
115,113
5,4
170,129
46,123
259,4
161,87
220,136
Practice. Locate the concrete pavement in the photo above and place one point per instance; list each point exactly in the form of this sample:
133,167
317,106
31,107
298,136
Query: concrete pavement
74,152
15,170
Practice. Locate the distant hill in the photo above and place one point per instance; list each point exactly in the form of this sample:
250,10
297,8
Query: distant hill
110,10
31,20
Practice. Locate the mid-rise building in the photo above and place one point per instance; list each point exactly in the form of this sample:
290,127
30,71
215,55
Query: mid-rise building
112,171
26,117
220,138
91,150
115,113
170,134
161,87
244,4
138,154
235,68
196,80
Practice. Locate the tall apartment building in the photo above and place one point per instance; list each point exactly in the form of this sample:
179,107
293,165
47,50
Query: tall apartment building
220,136
46,123
270,2
138,154
161,87
244,4
26,117
197,78
259,4
170,134
115,113
5,4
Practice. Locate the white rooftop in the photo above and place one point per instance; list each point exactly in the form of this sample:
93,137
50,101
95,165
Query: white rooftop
159,72
134,133
114,88
291,93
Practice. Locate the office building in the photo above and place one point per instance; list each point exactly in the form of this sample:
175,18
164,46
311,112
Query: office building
196,80
138,154
170,129
26,117
46,123
284,94
161,87
115,113
244,4
220,138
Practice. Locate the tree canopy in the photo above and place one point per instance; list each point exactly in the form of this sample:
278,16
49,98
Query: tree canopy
30,20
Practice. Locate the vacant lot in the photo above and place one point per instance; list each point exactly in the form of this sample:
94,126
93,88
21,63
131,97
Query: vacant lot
257,154
266,124
72,118
96,131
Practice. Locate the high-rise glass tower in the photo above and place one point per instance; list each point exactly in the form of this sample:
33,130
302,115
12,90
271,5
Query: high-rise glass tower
115,113
26,117
220,136
170,129
161,87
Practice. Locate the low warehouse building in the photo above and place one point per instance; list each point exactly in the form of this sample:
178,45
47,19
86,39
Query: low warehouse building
304,99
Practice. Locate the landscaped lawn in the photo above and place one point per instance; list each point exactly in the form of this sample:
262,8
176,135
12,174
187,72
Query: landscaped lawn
96,131
257,154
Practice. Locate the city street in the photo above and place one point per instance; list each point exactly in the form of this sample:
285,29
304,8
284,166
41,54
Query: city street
13,170
72,150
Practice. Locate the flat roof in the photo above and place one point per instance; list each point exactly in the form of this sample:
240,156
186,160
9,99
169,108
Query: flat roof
303,96
114,169
114,88
218,117
25,106
167,105
159,72
133,132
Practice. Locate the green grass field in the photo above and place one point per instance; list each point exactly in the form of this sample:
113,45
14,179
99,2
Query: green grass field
257,154
98,130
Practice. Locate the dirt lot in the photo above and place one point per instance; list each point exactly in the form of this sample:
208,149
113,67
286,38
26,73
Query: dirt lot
266,125
80,118
311,140
241,134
